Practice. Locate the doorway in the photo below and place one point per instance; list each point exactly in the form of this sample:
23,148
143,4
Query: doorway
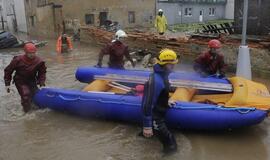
103,17
201,16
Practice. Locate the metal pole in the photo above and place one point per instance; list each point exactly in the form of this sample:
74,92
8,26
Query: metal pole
15,19
245,17
243,61
2,22
2,19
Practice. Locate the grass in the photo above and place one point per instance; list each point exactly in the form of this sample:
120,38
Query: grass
193,27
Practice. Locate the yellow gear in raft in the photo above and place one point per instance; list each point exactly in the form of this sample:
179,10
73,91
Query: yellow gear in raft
167,56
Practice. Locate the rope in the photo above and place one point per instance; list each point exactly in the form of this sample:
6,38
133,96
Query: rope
242,110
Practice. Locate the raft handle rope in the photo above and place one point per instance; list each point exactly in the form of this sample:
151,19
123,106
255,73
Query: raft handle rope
242,110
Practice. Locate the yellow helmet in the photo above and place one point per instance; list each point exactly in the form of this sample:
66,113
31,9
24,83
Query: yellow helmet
167,56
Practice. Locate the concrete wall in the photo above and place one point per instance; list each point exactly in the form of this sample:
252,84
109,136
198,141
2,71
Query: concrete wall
117,10
20,15
40,20
229,10
44,20
175,12
6,14
74,11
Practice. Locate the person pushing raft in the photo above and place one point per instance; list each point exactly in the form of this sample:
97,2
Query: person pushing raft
211,62
30,71
156,101
117,50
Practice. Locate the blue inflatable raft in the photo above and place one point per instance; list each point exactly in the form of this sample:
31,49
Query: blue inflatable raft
120,107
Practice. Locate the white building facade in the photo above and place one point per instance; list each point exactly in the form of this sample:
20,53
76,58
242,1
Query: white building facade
12,16
229,10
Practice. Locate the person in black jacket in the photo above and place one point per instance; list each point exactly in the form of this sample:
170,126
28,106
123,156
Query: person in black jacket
156,101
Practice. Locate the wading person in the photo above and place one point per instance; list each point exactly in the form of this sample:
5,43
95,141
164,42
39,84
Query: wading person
211,62
30,71
161,22
64,44
156,101
116,50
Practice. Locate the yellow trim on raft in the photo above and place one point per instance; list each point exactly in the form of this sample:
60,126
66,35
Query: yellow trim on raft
246,94
249,94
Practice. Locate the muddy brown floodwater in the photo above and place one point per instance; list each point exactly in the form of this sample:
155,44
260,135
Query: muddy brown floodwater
49,135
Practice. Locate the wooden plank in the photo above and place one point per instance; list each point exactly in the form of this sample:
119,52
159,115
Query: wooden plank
213,28
228,28
223,27
205,30
217,29
209,28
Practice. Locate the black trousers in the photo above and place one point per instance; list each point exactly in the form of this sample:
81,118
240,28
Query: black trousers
164,135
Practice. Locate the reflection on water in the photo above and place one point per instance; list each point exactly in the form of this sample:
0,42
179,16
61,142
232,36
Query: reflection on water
45,134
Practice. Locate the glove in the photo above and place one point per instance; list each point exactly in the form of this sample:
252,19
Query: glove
148,132
133,64
203,74
42,85
171,103
98,65
221,76
8,89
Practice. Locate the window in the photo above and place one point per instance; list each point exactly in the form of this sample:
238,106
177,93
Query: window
212,11
131,17
41,3
32,21
89,19
188,12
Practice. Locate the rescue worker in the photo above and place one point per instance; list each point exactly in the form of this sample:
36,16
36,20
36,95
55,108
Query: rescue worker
117,50
64,44
156,101
211,62
30,71
161,22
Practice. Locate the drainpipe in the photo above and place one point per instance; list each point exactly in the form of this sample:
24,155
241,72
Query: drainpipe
2,19
156,3
181,5
243,61
15,18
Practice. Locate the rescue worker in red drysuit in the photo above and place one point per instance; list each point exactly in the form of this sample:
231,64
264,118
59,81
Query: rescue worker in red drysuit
211,62
117,50
30,71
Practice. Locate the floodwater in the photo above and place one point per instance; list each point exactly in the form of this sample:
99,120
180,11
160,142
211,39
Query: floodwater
49,135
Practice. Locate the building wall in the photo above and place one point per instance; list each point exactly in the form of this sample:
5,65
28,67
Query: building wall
258,17
41,19
175,12
74,12
117,10
20,15
7,14
229,10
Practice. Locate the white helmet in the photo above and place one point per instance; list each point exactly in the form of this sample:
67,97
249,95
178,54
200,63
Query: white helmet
120,34
160,10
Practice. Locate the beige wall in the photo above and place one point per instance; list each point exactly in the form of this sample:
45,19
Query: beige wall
48,20
41,21
117,10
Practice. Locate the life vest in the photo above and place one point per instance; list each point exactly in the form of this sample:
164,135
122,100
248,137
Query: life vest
60,43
